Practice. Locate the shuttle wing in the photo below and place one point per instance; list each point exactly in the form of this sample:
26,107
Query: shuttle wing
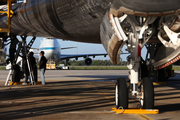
76,56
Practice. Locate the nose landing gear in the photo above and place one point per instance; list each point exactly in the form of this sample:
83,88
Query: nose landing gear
112,32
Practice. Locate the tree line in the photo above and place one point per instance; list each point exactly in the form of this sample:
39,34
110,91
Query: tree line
94,63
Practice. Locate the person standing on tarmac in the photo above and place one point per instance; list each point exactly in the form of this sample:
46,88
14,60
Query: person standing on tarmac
32,64
42,66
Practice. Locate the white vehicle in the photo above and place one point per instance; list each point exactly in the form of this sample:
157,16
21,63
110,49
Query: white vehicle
62,67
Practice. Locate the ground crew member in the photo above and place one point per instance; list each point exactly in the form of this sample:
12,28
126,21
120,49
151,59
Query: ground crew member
42,66
32,64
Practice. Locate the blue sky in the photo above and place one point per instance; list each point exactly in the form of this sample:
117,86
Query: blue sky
83,48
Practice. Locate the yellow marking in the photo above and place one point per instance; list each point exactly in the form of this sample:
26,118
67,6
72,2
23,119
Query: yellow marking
144,117
136,111
4,30
3,11
20,83
160,83
91,86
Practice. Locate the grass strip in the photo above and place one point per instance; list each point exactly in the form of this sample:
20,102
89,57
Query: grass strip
3,68
98,68
176,68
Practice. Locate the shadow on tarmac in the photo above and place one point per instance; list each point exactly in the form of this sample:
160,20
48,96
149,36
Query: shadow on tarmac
69,96
166,94
58,97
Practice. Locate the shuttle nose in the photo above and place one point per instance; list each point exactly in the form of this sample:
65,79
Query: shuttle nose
148,7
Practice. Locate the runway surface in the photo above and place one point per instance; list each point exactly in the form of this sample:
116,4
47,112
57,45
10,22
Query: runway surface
81,95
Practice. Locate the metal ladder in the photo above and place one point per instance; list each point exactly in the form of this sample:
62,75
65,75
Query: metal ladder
9,78
30,73
26,50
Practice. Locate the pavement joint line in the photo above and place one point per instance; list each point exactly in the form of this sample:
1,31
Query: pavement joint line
95,112
91,86
144,117
5,102
73,112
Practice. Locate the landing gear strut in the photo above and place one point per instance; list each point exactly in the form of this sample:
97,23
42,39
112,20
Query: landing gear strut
134,45
160,34
117,37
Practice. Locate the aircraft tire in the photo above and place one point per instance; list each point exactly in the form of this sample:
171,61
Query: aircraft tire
148,93
121,93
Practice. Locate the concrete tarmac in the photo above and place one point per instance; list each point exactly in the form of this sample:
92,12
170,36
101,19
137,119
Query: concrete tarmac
81,95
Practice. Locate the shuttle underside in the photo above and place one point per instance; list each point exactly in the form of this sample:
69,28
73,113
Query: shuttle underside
76,20
81,20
